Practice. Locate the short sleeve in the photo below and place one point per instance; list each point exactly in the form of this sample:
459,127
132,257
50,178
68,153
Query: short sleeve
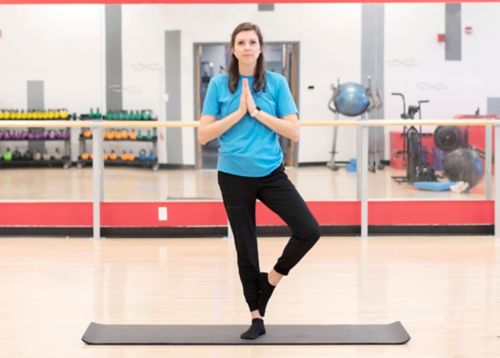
286,104
211,105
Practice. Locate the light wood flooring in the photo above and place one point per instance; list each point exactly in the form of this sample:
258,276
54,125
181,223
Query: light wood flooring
445,290
133,184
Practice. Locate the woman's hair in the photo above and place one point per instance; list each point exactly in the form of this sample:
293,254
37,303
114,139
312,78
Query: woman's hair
259,81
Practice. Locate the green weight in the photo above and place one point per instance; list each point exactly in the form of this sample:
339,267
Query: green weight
7,155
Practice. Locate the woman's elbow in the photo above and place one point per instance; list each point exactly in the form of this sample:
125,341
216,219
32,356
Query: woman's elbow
296,134
201,138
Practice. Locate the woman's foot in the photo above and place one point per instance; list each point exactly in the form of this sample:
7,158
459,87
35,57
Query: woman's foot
256,329
266,290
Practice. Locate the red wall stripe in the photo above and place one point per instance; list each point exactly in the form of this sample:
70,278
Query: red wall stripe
179,214
470,212
195,214
46,214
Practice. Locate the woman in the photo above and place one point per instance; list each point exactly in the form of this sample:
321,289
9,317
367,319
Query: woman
248,108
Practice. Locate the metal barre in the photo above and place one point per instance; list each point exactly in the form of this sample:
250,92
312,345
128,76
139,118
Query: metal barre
194,124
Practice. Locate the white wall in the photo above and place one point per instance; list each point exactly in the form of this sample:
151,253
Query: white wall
60,44
326,53
415,61
63,45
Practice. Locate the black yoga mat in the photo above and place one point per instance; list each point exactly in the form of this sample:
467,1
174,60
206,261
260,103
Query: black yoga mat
393,333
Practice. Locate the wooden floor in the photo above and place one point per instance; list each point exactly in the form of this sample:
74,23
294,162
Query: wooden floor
445,290
132,184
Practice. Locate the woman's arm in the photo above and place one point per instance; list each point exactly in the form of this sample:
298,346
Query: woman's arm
287,127
209,128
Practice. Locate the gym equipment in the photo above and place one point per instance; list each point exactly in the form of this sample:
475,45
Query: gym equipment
112,155
393,333
85,156
28,155
37,156
412,143
464,165
152,156
57,154
433,186
7,155
350,99
16,155
425,173
142,154
449,138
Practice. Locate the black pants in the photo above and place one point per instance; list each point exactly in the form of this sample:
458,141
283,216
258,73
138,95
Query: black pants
279,194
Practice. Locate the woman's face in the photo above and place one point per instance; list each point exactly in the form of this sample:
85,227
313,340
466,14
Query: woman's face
246,47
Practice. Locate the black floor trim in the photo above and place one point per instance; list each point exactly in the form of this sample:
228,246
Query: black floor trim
263,231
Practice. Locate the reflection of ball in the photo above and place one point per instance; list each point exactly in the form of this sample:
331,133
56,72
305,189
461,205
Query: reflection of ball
351,99
464,165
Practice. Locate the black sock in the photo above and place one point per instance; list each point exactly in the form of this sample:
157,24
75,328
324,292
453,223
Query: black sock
256,329
266,290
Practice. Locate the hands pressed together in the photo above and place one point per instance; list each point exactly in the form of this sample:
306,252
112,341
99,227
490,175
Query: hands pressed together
247,104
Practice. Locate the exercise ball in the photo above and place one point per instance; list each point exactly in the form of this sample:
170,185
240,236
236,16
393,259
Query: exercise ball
350,99
464,165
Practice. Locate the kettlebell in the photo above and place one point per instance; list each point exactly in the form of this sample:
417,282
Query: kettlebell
124,156
50,134
133,135
7,155
139,135
85,156
131,156
28,155
152,156
87,133
142,154
112,155
149,136
37,156
17,155
57,154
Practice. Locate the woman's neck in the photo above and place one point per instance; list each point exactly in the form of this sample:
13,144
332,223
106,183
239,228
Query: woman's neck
246,70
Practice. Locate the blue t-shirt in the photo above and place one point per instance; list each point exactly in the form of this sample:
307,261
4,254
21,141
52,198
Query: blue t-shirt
249,148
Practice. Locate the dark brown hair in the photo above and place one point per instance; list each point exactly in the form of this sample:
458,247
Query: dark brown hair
259,81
